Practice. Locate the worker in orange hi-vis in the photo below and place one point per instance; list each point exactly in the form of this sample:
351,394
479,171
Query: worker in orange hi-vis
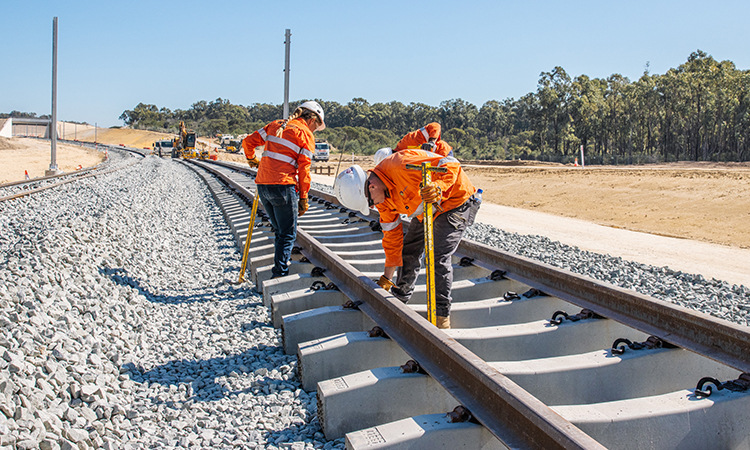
283,178
394,190
425,138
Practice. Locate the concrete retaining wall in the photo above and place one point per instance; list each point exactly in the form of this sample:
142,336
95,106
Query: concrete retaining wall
6,127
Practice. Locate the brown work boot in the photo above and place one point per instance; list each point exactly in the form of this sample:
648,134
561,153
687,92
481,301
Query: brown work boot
443,322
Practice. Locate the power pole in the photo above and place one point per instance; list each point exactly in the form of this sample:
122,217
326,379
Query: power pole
287,43
53,170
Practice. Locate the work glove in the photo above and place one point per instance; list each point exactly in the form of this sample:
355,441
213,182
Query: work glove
429,146
431,193
302,206
253,163
385,283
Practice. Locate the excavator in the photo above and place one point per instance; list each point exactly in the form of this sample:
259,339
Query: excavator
184,144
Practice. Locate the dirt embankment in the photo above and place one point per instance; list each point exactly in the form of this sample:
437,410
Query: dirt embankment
117,136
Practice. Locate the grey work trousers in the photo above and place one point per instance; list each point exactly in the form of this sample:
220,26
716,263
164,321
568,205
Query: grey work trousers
448,229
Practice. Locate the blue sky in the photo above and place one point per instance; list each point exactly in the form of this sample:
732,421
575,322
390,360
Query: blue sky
113,55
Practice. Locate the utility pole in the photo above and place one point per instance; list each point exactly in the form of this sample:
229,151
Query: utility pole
53,170
287,43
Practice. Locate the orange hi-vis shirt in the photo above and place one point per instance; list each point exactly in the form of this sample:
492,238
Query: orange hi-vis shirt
403,193
286,159
415,139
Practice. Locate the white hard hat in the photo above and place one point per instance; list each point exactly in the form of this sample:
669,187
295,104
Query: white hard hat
350,189
382,154
317,109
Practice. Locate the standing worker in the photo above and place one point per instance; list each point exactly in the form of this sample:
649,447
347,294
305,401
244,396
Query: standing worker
425,138
283,178
395,190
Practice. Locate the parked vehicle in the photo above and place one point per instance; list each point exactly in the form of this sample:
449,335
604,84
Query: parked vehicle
322,151
166,144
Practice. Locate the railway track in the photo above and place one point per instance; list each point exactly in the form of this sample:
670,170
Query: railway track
538,357
17,189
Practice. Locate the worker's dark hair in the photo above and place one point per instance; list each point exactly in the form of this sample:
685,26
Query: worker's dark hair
299,112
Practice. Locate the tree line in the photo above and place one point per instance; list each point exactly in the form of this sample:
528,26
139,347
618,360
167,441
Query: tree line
23,115
699,111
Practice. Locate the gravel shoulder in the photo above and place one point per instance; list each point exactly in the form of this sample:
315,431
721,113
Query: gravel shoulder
696,257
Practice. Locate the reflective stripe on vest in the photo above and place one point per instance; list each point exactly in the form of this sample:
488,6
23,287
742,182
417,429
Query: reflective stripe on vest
280,157
425,133
446,160
285,143
388,226
262,133
419,211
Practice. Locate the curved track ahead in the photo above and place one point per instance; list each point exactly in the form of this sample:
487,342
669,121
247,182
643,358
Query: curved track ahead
540,357
17,189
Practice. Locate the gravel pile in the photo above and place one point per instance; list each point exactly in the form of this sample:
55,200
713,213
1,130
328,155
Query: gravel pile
121,326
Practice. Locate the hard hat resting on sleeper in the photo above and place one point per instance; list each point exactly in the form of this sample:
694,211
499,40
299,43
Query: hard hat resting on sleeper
382,154
317,109
350,189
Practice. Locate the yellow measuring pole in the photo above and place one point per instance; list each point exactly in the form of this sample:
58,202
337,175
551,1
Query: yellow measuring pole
249,237
429,241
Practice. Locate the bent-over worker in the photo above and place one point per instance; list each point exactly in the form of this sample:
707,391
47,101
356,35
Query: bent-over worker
426,138
394,190
283,178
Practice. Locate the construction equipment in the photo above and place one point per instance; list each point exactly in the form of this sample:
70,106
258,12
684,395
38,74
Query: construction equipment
248,238
184,144
204,150
233,146
429,241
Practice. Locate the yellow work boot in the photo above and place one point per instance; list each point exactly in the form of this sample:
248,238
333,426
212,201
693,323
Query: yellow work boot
443,322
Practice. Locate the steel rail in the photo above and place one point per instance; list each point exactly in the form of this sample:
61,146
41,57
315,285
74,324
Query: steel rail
67,174
720,340
74,176
50,177
513,415
205,164
510,413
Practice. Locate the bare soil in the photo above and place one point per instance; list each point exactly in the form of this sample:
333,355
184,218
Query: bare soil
34,155
707,202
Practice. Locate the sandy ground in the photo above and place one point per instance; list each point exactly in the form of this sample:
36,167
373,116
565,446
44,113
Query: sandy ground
34,155
688,216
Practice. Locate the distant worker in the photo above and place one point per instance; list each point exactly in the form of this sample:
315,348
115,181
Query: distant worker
394,190
425,138
283,178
